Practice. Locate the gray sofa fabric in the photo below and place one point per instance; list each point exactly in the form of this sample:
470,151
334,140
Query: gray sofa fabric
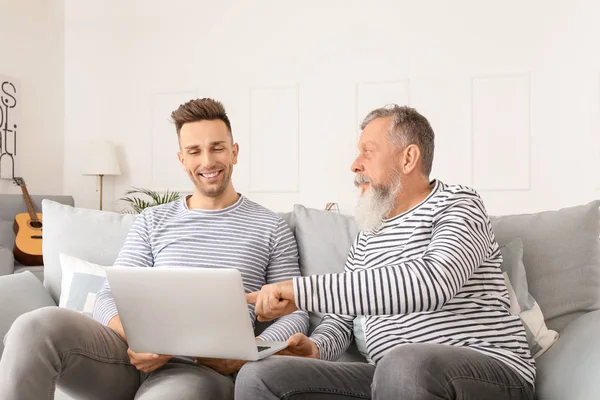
7,235
37,271
7,261
324,239
561,253
20,293
571,368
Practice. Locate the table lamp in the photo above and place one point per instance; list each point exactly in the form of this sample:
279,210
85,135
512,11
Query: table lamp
101,159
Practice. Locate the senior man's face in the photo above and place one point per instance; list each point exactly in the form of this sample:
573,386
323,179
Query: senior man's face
377,174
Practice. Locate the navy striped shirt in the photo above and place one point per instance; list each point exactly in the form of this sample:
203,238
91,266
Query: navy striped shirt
429,275
245,236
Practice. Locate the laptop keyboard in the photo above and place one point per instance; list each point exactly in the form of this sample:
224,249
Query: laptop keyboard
262,348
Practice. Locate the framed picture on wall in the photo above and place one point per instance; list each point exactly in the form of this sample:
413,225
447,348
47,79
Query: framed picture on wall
10,118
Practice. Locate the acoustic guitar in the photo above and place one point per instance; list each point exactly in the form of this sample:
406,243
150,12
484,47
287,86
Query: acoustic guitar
28,231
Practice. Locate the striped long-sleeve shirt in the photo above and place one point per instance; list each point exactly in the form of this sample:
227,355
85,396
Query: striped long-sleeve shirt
429,275
245,236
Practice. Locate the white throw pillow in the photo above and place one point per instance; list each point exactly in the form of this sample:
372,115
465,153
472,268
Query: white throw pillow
81,281
80,232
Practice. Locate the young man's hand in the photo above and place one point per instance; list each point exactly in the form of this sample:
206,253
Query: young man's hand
300,346
116,325
273,301
221,365
147,362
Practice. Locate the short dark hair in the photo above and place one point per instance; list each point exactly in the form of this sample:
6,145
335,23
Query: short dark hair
408,127
200,110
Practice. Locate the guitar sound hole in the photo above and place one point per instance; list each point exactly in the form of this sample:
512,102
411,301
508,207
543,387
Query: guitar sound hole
35,224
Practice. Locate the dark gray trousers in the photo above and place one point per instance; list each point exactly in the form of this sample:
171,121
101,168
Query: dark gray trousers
55,346
410,372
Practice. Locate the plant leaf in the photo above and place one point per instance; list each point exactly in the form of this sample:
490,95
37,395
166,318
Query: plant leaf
138,204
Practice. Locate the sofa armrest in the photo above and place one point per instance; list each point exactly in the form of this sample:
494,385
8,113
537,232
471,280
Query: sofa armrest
19,294
570,369
7,261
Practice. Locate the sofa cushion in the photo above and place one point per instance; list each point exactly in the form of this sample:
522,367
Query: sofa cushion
512,265
561,254
539,337
20,293
288,217
92,235
7,261
569,370
7,235
81,282
324,239
37,271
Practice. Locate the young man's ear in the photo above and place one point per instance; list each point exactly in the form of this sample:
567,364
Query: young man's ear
236,151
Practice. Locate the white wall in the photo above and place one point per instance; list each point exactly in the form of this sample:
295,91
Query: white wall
32,51
511,88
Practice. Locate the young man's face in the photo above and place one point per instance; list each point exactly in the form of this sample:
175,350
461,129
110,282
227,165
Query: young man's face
208,155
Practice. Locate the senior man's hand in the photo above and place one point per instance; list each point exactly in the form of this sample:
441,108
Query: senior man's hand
273,301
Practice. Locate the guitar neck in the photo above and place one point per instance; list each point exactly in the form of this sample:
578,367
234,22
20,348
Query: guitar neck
29,204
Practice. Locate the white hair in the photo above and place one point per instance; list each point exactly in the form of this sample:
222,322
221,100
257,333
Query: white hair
374,206
408,127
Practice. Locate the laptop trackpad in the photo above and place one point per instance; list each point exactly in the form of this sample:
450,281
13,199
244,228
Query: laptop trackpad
267,348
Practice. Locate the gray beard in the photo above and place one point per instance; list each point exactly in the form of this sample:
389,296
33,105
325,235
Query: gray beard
374,206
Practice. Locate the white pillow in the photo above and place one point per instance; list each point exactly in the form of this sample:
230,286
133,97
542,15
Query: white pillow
81,281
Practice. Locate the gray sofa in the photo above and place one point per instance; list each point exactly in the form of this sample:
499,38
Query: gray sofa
561,254
11,205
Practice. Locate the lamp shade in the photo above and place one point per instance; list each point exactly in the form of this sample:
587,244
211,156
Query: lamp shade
101,159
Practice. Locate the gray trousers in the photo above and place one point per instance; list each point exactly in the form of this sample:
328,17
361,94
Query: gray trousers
55,346
410,372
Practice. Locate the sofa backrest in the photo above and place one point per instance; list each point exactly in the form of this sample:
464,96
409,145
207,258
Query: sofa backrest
561,254
561,249
324,239
13,204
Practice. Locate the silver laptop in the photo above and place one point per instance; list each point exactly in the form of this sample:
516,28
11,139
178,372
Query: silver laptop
196,312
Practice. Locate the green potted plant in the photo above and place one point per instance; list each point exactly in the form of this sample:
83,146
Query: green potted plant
137,204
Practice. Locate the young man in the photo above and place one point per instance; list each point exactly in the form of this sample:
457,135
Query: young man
423,294
214,227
